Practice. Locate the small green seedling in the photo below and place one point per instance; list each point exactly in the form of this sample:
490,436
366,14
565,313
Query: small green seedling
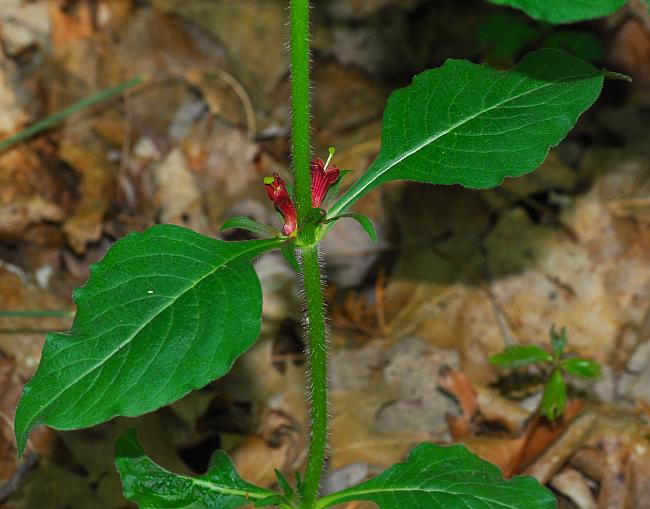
554,399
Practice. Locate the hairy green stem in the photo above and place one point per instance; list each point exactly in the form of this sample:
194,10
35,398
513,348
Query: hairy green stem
315,319
317,372
300,110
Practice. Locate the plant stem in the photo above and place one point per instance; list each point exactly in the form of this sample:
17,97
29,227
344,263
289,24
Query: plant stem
318,374
315,319
300,110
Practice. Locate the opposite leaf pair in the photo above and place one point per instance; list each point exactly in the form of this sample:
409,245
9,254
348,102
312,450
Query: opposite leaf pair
169,310
432,476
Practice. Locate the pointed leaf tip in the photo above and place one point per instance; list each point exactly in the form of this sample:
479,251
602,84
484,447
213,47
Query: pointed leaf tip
165,312
469,124
151,486
450,477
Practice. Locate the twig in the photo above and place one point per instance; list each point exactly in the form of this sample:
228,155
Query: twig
8,488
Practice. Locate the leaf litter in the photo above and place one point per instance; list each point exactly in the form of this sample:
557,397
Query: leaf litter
414,318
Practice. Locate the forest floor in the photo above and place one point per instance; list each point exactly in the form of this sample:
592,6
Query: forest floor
456,276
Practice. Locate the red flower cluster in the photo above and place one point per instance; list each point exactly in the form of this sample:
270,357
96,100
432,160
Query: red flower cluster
277,192
322,178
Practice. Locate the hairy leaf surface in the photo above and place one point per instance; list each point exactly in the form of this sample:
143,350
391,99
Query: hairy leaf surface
469,124
437,477
165,312
564,11
153,487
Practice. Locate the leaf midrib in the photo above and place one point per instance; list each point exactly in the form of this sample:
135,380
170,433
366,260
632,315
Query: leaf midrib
364,184
332,499
137,331
228,491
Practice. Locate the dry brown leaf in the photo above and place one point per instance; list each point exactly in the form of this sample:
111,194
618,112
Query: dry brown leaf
178,195
95,191
353,435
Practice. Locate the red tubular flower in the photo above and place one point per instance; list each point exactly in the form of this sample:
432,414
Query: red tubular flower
322,179
277,192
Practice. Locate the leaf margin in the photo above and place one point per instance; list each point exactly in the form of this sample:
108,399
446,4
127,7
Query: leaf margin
23,426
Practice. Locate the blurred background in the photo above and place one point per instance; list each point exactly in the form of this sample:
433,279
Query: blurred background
456,276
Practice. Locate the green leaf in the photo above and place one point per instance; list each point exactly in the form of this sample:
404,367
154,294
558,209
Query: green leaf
284,485
564,11
554,399
558,340
245,223
438,477
506,34
165,312
289,253
521,355
469,124
579,43
584,368
364,221
153,487
300,484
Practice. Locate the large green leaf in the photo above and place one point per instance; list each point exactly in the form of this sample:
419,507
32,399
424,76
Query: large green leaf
437,477
153,487
165,312
469,124
564,11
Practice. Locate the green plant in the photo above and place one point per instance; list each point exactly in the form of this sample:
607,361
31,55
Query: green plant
169,310
553,402
504,35
561,11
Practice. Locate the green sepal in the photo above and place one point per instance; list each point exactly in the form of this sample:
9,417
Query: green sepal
584,368
520,355
284,485
245,223
309,229
554,399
